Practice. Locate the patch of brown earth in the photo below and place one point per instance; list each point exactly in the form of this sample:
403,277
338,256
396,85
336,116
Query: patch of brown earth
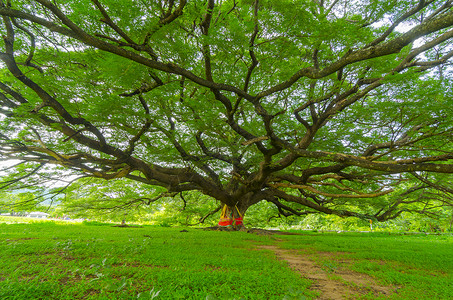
331,281
21,239
138,265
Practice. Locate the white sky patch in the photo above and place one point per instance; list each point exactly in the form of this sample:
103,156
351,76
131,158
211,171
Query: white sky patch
7,163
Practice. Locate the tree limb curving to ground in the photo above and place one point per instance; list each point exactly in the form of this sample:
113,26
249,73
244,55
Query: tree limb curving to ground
336,107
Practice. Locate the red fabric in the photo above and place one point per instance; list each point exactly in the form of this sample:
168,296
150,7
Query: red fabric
225,222
230,217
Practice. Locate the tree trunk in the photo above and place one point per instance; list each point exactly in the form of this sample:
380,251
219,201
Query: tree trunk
451,222
231,217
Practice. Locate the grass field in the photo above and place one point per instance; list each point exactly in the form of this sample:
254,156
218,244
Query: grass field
83,261
419,266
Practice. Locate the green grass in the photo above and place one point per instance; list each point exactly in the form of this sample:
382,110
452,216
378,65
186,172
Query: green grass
52,261
47,260
421,266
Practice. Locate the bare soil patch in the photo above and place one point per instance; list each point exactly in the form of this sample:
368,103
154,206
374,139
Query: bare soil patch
332,282
21,239
127,226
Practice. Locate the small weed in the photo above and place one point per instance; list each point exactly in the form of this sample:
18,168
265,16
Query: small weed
151,294
295,295
329,266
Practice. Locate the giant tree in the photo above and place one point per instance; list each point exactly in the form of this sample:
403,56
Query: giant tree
339,107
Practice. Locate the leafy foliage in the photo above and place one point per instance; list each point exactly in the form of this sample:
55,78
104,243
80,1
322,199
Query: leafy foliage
335,107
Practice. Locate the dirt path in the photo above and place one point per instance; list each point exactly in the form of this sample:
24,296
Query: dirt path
332,281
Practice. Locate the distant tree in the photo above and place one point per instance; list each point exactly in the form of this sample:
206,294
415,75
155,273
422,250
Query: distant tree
339,107
21,201
119,199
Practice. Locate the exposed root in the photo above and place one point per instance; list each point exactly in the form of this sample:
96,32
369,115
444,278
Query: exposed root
258,231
